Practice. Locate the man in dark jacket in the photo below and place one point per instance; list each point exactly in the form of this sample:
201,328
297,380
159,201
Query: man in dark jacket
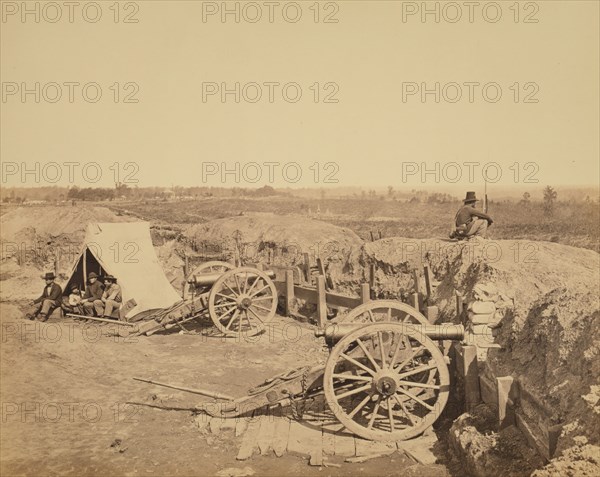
48,301
93,292
470,222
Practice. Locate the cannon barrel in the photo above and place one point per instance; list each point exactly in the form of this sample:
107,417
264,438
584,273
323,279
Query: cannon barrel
209,279
445,331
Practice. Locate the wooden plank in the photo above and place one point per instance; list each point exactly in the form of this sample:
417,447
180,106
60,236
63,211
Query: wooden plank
240,426
321,301
328,441
303,439
335,300
344,444
266,434
249,442
365,447
215,425
281,433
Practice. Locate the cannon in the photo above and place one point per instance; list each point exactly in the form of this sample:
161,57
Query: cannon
239,301
386,378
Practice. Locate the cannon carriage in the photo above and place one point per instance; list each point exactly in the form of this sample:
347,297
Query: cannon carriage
386,377
239,301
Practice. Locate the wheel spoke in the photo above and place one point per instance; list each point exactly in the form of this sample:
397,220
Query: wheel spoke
389,314
390,415
419,385
264,297
353,391
412,355
367,354
408,414
228,297
395,356
417,370
371,317
357,363
232,319
375,412
415,398
259,318
245,282
237,284
354,377
381,348
360,405
254,284
257,292
231,289
221,305
261,307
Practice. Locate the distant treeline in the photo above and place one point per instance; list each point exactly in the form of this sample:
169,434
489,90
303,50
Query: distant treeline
123,192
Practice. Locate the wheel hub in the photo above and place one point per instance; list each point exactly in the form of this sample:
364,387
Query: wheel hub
385,383
244,302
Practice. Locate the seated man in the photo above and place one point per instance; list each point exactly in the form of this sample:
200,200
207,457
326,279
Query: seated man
48,301
111,298
73,302
469,221
93,292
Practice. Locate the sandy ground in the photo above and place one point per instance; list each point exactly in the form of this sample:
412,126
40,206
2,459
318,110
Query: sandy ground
66,386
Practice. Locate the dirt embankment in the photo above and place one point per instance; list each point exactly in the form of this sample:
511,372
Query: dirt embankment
279,239
546,297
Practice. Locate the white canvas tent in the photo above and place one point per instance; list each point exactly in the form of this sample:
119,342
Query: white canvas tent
125,250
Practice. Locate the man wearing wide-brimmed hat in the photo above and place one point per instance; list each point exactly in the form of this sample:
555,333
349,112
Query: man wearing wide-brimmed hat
470,222
48,301
111,298
93,292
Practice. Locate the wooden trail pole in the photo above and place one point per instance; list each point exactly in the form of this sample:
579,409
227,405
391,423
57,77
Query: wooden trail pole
202,392
103,320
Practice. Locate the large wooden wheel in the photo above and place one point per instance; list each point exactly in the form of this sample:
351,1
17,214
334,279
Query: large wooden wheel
214,266
384,310
242,301
373,381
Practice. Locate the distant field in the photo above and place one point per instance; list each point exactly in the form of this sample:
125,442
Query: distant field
571,224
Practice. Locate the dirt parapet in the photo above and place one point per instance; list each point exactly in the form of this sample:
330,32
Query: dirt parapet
544,298
280,239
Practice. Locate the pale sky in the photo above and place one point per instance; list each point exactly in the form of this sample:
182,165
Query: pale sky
373,135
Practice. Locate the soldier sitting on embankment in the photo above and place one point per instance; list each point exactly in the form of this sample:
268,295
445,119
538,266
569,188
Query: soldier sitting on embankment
470,222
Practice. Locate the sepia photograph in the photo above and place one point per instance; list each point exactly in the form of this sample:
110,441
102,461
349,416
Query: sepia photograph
300,238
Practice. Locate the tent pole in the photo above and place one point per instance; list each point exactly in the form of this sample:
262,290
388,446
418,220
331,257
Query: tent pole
84,269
